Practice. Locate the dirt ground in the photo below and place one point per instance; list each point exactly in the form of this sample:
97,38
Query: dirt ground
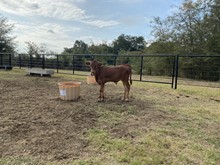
35,122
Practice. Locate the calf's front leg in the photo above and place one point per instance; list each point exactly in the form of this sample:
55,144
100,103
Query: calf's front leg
101,92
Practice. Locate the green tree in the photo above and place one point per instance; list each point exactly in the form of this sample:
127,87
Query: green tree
213,23
80,47
128,43
6,40
102,48
32,49
159,47
185,27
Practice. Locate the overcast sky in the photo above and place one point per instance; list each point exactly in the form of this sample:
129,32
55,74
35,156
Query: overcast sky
58,23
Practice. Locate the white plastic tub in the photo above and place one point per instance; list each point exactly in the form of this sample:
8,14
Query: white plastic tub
69,90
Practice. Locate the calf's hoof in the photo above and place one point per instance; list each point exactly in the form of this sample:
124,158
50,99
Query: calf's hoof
125,99
100,99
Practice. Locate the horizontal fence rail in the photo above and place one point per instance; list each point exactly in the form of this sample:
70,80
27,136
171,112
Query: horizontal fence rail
156,68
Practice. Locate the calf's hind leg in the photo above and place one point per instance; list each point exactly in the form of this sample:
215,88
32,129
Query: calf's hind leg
126,91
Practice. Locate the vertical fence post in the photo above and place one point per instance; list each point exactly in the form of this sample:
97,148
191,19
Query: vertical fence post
176,70
73,63
10,59
30,61
173,71
43,61
92,58
115,60
19,57
57,64
141,69
1,59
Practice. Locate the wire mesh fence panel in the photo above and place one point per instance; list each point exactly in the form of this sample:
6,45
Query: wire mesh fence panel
200,69
4,59
50,62
158,69
21,60
194,69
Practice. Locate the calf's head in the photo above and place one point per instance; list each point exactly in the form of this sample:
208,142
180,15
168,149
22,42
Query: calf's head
94,66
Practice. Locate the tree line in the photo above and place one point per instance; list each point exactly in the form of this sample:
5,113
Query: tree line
192,28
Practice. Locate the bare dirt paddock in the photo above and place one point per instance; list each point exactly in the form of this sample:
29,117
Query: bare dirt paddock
36,123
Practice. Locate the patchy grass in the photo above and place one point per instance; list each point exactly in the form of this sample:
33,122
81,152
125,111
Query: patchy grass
159,126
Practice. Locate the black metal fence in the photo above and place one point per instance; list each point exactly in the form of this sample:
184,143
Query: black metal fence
156,68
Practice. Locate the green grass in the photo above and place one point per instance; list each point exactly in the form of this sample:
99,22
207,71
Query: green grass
192,137
20,161
160,146
188,135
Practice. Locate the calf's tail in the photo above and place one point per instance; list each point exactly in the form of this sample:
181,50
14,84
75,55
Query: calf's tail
130,72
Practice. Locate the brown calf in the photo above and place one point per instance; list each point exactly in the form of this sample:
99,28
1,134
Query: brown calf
114,74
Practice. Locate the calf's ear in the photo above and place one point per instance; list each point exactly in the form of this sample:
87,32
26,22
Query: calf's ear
87,62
